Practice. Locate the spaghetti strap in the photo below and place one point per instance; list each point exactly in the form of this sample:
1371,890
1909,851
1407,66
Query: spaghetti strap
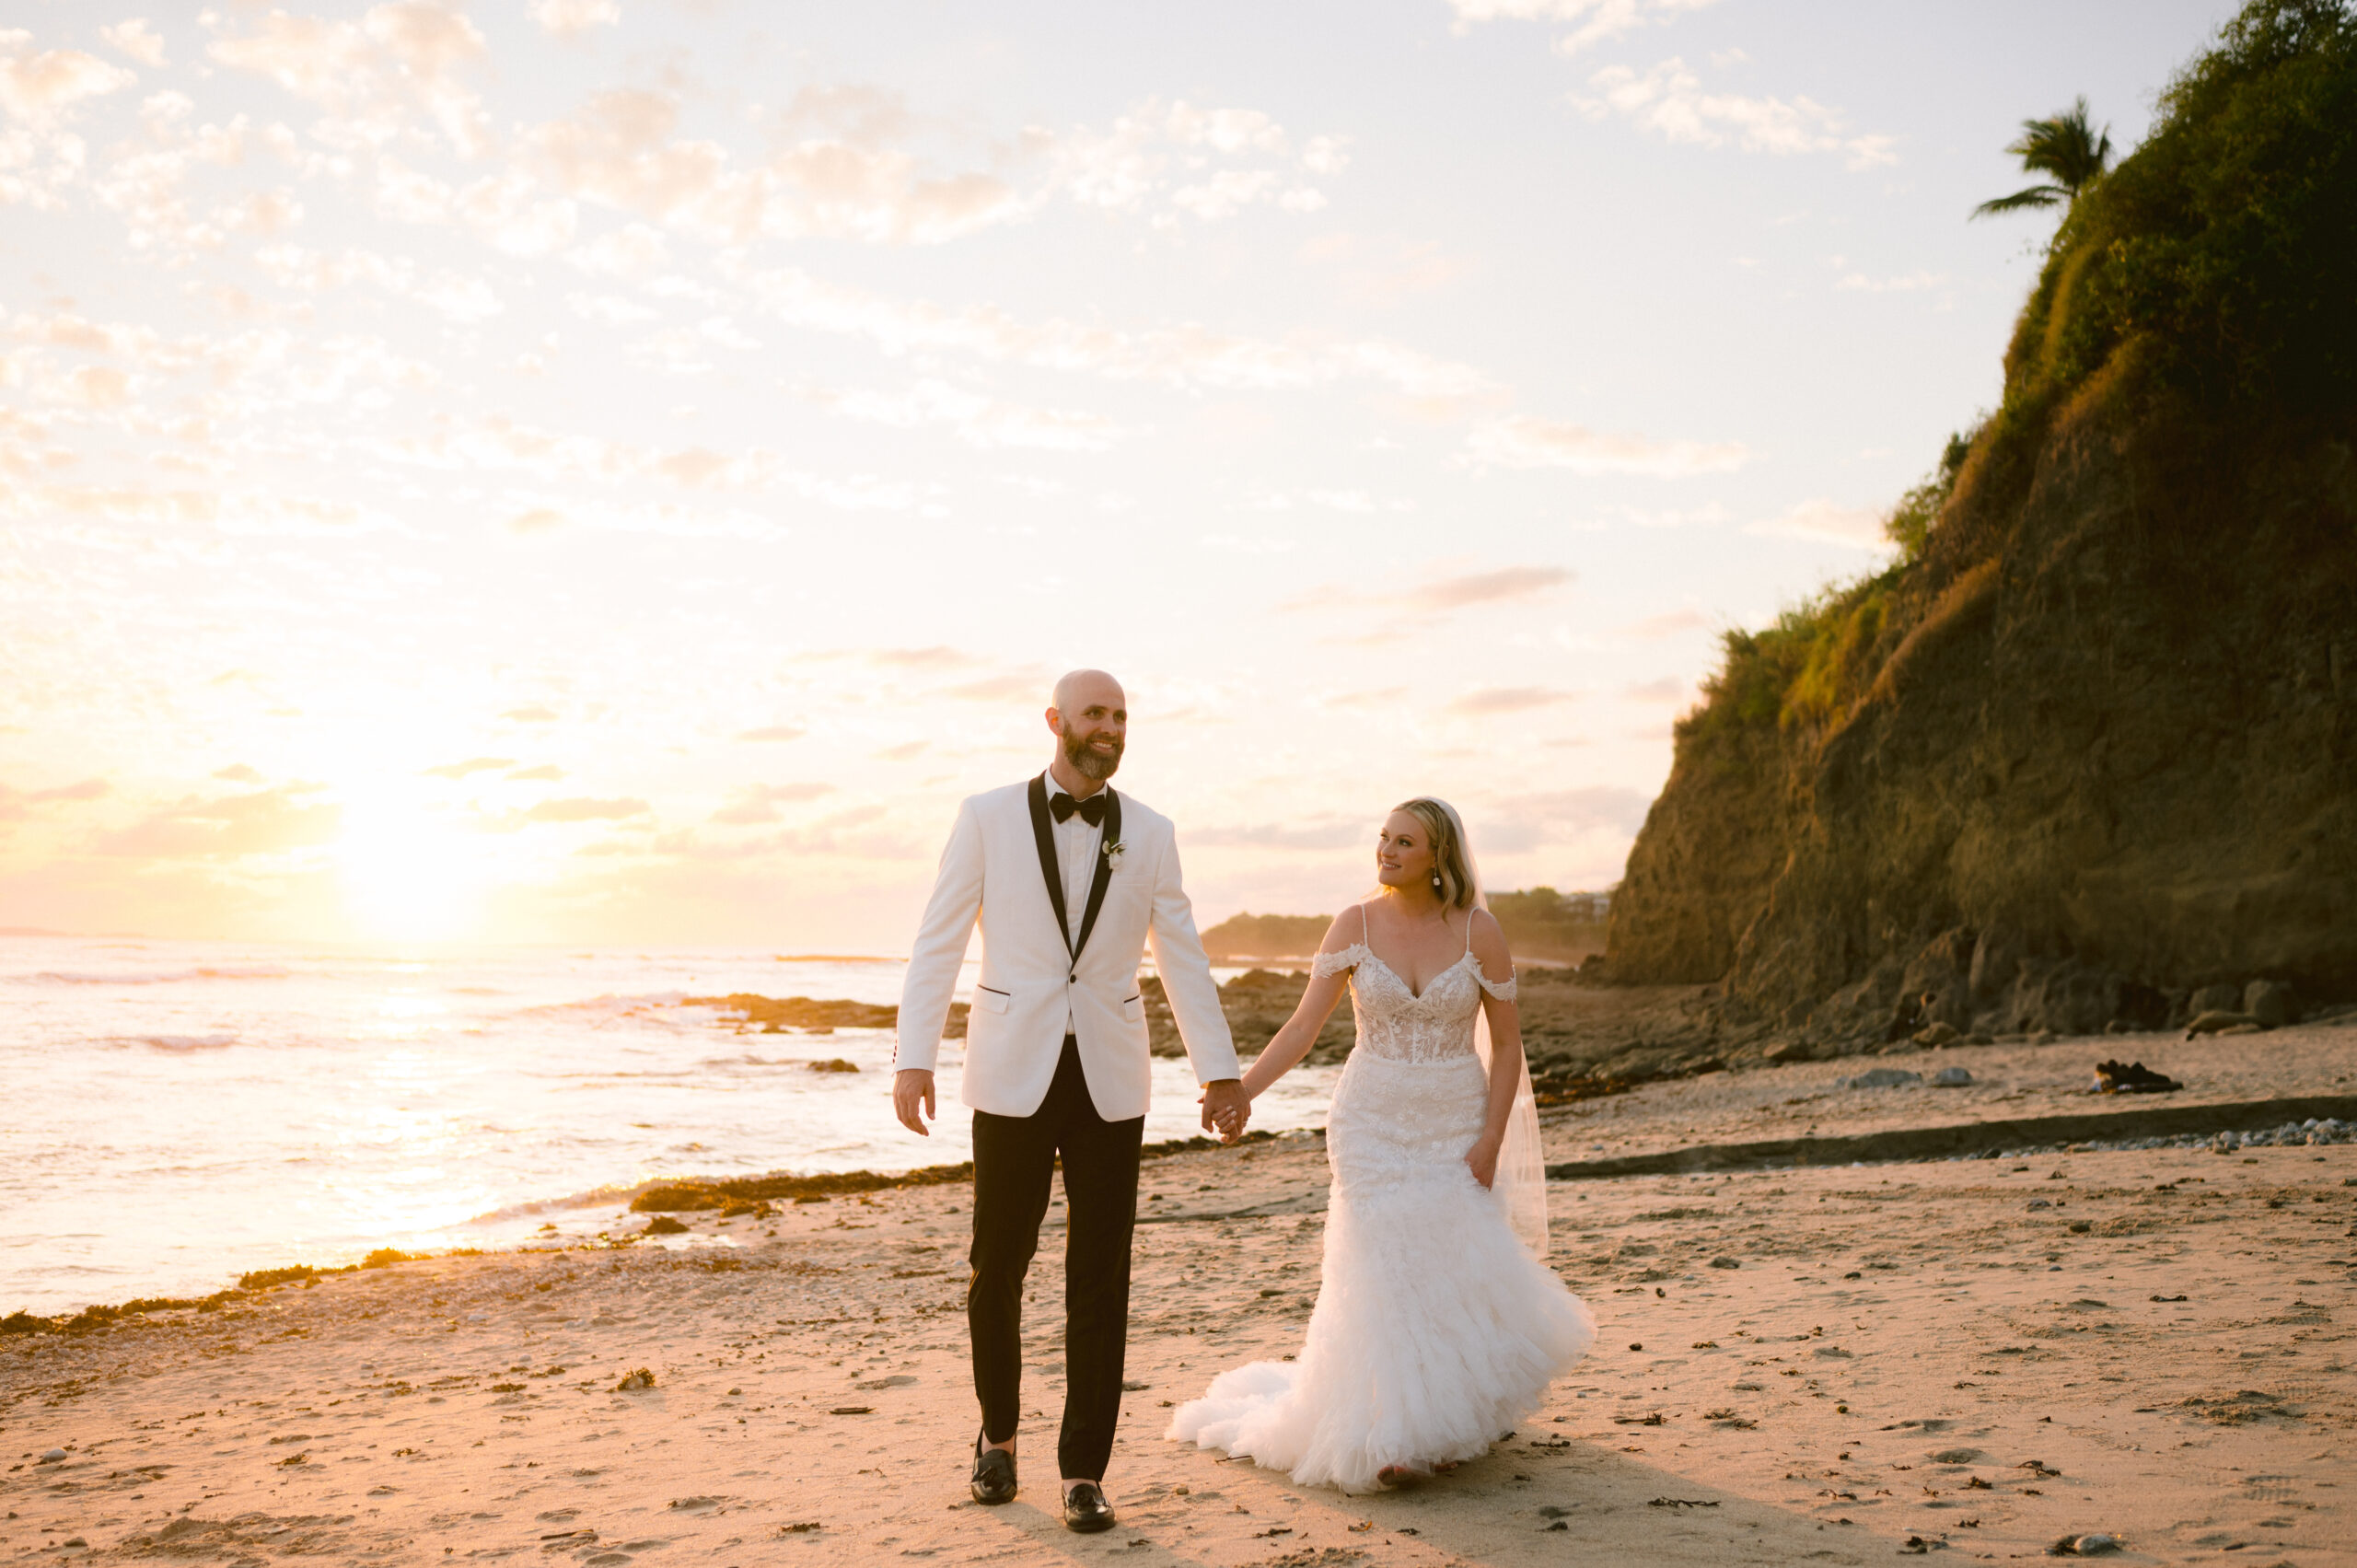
1468,935
1366,939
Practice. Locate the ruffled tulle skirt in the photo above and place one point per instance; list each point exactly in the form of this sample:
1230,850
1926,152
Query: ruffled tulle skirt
1436,1331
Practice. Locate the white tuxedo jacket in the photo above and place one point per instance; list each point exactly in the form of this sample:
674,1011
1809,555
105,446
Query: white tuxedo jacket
991,875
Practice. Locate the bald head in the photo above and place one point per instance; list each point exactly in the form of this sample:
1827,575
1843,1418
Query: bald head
1080,688
1090,717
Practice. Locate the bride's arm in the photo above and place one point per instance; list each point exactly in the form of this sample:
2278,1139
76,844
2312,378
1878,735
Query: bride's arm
1505,1046
1291,1043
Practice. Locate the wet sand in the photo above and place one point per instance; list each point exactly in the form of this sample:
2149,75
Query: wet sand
2005,1336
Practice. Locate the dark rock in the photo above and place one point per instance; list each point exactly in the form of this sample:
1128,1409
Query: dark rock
2132,1078
2271,1003
2218,999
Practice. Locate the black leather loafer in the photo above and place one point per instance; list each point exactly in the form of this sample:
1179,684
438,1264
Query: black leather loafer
1086,1509
993,1480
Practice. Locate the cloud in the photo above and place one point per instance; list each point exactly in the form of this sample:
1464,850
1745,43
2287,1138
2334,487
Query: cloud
622,149
1439,596
1675,516
1159,159
759,802
938,656
373,75
773,732
1403,270
1667,626
979,421
906,752
632,251
16,805
830,835
1523,441
1381,698
530,714
1182,356
1329,835
136,38
237,772
1586,808
1357,502
462,299
1668,688
1237,544
471,765
567,18
1820,520
1509,699
548,772
1906,284
583,810
38,88
262,822
1599,20
498,441
1669,100
1487,587
1010,688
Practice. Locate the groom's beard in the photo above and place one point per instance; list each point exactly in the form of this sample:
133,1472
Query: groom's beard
1091,764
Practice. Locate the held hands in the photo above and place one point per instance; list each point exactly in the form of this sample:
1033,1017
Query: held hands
911,1087
1482,1159
1226,1108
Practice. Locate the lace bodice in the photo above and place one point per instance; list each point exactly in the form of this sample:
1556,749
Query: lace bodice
1396,1023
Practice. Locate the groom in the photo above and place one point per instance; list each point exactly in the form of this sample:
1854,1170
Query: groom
1068,881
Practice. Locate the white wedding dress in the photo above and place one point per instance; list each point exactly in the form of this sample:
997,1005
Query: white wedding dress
1436,1331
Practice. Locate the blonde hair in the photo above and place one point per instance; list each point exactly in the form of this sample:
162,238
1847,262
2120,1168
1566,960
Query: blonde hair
1449,862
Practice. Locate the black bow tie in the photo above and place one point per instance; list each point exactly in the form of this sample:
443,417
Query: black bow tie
1092,810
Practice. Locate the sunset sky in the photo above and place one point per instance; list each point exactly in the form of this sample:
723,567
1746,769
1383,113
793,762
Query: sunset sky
602,471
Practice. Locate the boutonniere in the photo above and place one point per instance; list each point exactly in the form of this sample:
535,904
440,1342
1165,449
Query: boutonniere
1113,853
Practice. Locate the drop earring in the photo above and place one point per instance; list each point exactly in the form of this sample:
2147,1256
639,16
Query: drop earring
1436,882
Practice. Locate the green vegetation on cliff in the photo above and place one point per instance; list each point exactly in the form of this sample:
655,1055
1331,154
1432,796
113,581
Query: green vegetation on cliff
2089,741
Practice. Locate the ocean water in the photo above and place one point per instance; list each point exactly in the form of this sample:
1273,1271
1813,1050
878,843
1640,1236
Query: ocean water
175,1113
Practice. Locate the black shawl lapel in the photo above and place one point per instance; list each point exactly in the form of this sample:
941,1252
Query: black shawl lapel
1104,869
1046,838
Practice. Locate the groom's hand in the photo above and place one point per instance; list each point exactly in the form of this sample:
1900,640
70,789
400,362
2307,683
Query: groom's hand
1226,1108
911,1087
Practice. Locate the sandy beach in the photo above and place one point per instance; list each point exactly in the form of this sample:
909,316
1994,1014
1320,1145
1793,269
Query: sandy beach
1825,1364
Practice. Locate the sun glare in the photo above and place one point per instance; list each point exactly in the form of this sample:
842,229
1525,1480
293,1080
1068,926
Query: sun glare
406,875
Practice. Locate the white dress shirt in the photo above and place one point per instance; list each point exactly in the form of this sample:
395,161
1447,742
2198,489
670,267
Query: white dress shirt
1077,847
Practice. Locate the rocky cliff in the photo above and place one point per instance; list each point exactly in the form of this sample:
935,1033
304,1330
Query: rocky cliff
2091,745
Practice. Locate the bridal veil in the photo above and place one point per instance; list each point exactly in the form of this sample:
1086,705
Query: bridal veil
1521,1182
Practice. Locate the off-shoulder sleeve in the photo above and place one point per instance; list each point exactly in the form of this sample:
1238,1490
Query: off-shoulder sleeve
1503,990
1335,963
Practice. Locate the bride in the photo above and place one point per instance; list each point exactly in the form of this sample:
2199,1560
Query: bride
1438,1324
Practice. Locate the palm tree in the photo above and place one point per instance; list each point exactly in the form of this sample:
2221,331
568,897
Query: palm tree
2071,153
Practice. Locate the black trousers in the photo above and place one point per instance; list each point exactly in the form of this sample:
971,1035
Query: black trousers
1014,1163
